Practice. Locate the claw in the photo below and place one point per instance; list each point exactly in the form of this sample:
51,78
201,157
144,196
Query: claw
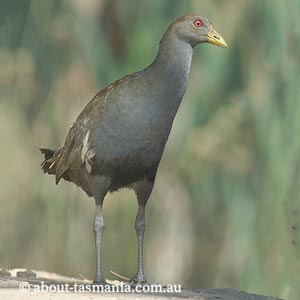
102,283
136,281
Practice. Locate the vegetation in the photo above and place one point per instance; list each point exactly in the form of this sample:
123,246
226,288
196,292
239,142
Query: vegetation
226,206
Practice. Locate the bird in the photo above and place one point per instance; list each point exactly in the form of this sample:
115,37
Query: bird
118,139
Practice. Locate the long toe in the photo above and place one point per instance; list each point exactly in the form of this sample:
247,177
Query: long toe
134,281
101,282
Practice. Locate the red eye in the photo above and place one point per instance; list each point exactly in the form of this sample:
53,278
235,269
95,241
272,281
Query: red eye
198,23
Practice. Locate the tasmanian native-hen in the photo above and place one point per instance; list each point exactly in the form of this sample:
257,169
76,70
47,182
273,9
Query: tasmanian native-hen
118,139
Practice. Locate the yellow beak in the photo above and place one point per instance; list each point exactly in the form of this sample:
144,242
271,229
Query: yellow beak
216,39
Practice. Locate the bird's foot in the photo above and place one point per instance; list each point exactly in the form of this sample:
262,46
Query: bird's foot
138,280
133,282
101,281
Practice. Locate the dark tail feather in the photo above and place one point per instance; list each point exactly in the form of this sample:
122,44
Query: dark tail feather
48,164
47,153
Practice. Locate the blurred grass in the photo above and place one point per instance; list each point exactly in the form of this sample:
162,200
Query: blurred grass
225,208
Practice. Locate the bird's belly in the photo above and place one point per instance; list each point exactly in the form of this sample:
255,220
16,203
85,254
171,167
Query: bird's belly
138,136
128,154
125,168
126,158
131,145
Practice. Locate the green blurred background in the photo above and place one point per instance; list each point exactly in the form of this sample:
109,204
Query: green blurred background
225,211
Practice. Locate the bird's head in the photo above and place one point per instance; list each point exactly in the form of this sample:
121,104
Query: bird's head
195,29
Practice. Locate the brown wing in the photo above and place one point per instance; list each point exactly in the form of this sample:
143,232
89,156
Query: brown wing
76,150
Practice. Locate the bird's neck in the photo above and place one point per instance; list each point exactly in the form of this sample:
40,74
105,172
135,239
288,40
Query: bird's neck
172,67
174,53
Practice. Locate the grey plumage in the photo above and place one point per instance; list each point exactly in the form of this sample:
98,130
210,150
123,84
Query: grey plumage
118,139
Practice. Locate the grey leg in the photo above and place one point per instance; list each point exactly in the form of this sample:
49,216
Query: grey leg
140,229
98,232
143,190
100,187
